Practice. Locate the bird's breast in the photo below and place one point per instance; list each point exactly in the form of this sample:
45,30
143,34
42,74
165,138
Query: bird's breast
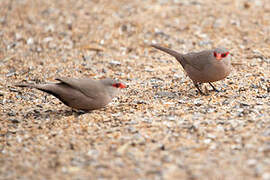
210,73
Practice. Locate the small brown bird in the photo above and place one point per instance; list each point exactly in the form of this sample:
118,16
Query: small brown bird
82,94
205,66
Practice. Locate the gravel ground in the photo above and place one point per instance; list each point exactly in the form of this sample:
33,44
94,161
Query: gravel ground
160,127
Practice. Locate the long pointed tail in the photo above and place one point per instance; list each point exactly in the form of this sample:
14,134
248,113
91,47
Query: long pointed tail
178,56
48,88
26,85
42,87
169,51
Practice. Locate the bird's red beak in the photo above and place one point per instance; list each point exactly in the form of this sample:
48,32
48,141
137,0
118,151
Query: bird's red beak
122,85
218,56
119,85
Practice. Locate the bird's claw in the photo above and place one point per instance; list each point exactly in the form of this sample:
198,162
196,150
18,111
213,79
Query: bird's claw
215,89
200,91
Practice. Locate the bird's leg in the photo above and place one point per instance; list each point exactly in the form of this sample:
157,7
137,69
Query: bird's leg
198,87
214,87
78,112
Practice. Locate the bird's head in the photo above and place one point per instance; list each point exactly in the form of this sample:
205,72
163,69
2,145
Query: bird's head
220,53
113,86
113,83
119,85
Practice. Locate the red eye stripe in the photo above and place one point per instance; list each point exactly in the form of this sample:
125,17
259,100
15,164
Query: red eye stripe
215,54
116,85
224,54
119,85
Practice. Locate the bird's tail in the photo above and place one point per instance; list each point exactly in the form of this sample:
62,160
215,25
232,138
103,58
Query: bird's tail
173,53
26,85
43,87
167,50
48,88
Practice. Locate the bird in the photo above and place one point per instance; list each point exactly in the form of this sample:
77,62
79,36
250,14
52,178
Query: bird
203,67
81,93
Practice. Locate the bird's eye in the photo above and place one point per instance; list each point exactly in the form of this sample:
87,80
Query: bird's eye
117,85
224,54
215,54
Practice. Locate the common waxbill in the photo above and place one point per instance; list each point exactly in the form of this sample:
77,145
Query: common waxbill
205,66
82,94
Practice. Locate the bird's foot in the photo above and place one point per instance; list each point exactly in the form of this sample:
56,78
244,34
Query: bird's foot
197,85
215,89
79,112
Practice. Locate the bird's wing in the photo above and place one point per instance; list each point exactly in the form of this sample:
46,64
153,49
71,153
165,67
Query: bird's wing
88,87
198,60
